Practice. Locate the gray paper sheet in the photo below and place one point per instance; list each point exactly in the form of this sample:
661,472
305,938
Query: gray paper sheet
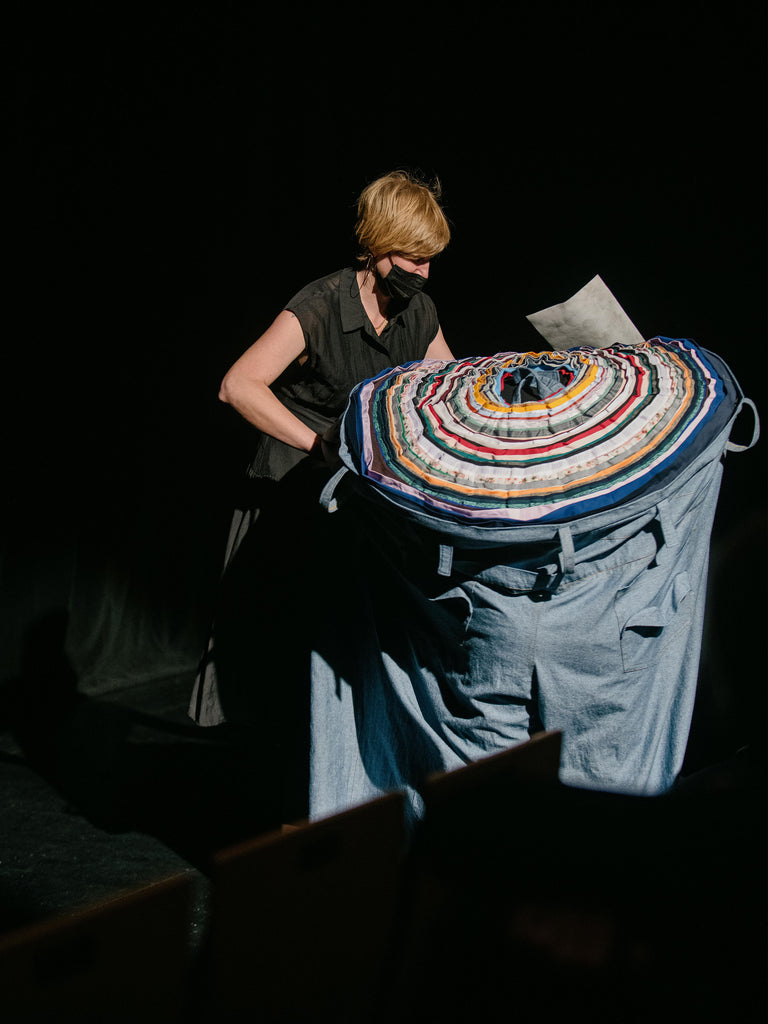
591,317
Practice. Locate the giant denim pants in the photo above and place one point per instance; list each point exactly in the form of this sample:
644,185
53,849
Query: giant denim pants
451,652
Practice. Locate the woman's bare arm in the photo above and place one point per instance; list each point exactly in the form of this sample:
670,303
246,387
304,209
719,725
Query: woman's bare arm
246,386
438,347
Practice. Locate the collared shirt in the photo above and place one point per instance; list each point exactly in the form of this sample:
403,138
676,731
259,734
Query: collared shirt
342,349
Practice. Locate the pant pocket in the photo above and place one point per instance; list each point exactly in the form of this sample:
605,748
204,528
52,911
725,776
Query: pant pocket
648,621
449,615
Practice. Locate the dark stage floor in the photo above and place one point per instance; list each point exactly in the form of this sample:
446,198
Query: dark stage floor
114,792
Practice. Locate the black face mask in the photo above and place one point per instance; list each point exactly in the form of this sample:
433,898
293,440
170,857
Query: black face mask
401,284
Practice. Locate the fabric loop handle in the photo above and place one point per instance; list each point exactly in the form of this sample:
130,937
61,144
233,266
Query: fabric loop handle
327,499
731,446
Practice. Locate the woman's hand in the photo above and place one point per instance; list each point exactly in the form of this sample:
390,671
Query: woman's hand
329,445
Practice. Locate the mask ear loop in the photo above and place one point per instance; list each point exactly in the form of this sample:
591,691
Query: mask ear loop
368,267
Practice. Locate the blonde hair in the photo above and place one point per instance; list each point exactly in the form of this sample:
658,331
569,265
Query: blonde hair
399,213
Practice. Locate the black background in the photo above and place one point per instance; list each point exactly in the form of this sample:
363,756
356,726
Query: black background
176,174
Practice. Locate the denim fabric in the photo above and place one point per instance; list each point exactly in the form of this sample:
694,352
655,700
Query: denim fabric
452,650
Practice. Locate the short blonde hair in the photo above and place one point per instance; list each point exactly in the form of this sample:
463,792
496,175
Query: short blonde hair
399,213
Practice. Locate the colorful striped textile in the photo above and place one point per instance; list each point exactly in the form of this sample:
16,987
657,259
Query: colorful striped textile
531,437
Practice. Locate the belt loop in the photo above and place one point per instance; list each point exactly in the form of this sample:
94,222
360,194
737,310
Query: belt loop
567,556
667,526
445,561
668,532
327,500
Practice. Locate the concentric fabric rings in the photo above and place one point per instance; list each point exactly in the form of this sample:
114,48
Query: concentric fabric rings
530,437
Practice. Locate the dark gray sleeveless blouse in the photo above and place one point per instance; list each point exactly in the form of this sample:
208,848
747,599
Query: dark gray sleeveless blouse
342,349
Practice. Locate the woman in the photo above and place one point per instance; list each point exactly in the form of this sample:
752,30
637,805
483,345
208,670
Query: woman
345,327
292,384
